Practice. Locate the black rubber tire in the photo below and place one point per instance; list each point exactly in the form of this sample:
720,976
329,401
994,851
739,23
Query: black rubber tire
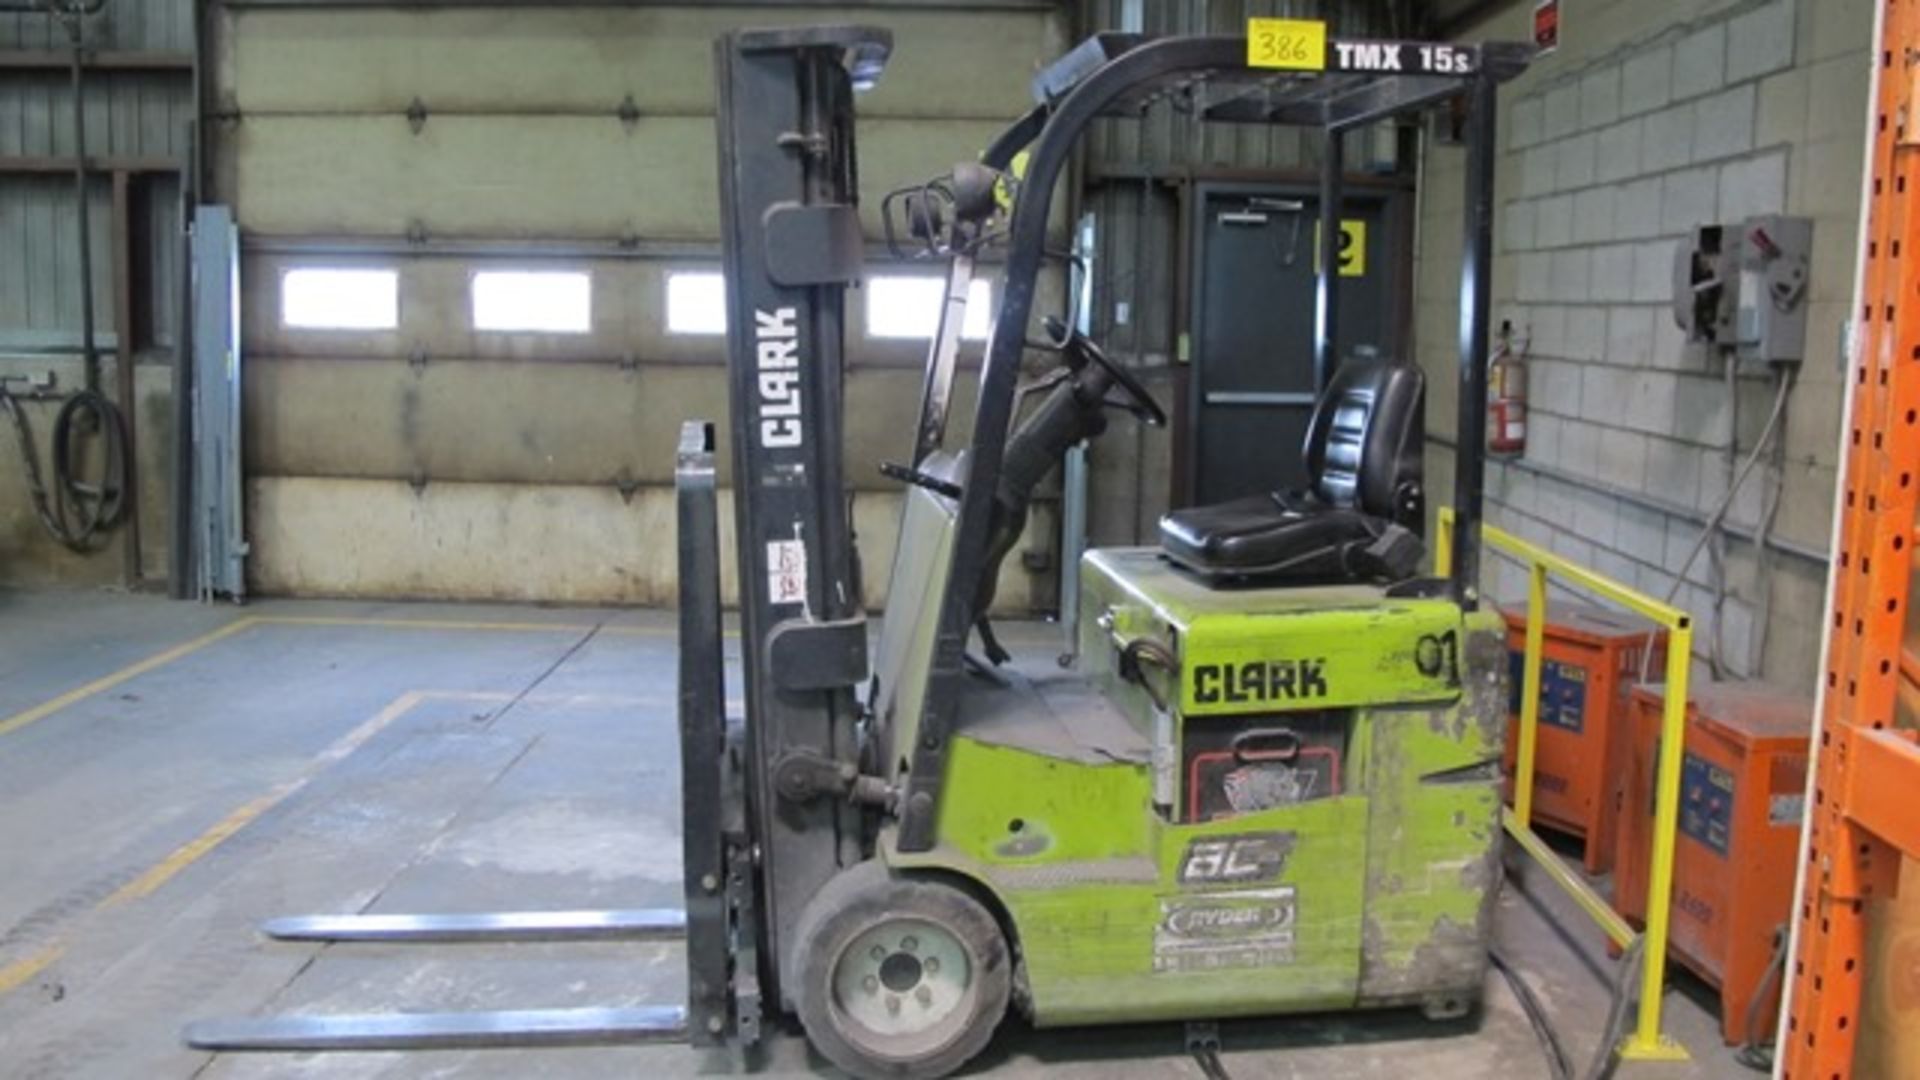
859,899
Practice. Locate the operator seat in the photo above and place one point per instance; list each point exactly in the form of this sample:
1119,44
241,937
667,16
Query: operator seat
1358,522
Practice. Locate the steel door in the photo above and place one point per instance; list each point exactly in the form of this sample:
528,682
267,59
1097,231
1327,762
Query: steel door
1253,383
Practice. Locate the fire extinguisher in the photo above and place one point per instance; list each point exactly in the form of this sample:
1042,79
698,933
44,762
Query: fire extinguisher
1507,396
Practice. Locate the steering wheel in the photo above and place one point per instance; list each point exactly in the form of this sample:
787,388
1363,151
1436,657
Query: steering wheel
1140,401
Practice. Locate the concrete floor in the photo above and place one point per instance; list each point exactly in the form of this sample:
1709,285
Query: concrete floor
341,757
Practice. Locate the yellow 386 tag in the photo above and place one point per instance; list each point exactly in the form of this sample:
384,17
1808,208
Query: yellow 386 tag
1289,44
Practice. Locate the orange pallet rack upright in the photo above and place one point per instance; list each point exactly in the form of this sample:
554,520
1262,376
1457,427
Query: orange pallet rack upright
1861,813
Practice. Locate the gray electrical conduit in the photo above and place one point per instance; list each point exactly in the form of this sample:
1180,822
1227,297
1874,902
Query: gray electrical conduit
1763,559
1716,550
1783,383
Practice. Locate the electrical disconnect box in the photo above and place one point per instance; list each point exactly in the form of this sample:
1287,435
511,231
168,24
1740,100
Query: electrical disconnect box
1744,287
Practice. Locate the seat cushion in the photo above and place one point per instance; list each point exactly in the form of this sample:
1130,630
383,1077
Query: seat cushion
1288,537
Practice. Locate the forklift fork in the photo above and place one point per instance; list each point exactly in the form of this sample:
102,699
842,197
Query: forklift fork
717,923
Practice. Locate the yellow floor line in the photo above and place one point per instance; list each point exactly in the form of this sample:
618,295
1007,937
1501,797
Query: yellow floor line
22,971
18,973
496,625
224,829
502,626
107,682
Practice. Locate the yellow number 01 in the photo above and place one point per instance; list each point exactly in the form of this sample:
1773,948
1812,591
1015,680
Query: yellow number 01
1288,44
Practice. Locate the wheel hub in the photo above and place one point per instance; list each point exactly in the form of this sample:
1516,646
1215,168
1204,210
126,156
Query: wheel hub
901,972
904,978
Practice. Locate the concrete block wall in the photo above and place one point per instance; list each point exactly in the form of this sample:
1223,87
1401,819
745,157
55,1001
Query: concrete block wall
1654,117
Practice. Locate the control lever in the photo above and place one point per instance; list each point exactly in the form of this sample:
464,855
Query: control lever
919,479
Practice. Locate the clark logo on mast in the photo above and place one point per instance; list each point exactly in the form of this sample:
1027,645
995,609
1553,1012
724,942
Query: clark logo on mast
778,356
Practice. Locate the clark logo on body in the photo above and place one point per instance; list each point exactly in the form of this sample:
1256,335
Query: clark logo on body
1260,680
777,356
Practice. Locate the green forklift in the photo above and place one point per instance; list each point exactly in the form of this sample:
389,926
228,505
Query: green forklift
1268,779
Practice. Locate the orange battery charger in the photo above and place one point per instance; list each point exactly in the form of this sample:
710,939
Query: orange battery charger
1743,783
1590,658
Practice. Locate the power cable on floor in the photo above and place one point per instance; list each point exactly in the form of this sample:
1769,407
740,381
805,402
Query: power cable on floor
1559,1066
1606,1054
1203,1042
1754,1053
1210,1065
558,662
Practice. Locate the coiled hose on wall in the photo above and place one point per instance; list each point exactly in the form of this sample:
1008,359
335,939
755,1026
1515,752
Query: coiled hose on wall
73,511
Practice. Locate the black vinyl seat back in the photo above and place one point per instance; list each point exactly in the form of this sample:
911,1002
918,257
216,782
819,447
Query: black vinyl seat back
1365,441
1360,519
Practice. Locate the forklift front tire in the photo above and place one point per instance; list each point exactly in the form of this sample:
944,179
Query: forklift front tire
900,979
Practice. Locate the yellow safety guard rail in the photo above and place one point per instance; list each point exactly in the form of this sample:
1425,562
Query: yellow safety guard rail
1646,1043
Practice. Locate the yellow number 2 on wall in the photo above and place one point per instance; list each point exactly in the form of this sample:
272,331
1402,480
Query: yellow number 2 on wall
1353,247
1288,44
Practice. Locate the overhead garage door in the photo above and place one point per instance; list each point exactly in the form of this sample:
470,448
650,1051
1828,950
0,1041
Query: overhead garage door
417,452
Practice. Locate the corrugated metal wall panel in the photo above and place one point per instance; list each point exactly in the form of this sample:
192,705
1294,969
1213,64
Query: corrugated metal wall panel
162,267
40,261
1134,268
164,25
129,113
136,114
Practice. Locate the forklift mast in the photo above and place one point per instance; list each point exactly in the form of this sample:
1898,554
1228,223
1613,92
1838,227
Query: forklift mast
792,245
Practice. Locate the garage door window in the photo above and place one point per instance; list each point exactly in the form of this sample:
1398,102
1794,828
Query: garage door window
900,306
537,301
330,298
696,303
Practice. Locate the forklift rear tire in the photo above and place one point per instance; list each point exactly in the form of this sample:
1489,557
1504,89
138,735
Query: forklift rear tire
900,979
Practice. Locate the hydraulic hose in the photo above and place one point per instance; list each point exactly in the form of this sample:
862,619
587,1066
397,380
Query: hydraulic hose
72,511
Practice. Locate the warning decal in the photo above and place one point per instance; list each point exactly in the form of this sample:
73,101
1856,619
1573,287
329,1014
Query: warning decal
787,571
